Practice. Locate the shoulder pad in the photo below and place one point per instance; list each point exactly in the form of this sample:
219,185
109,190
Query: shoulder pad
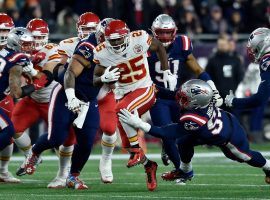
200,120
265,62
186,44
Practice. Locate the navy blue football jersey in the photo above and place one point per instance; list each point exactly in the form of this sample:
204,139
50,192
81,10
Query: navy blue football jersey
210,125
8,59
177,55
263,93
84,82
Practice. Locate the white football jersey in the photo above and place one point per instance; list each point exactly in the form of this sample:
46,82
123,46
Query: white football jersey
133,64
67,47
51,51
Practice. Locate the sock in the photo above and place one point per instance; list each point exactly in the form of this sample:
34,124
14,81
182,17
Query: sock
5,155
24,143
131,134
107,144
267,165
65,154
186,167
147,162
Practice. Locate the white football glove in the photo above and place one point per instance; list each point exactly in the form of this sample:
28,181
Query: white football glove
110,76
73,104
133,120
217,98
169,80
229,99
30,69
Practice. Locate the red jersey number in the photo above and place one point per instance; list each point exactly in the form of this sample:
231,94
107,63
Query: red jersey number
132,71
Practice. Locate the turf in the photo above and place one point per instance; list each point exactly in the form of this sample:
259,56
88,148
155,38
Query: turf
215,178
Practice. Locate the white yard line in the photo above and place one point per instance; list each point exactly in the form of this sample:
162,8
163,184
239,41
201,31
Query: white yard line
126,156
127,196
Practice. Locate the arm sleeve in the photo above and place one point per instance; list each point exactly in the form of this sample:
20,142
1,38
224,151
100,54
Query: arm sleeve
257,99
171,131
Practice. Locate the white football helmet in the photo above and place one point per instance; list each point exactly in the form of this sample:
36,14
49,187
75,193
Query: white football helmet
20,39
164,29
194,94
258,44
100,30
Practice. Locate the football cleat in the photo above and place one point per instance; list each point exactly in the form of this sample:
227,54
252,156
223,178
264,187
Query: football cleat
75,183
8,178
267,176
184,177
165,158
57,182
136,157
175,174
151,179
21,170
105,169
31,163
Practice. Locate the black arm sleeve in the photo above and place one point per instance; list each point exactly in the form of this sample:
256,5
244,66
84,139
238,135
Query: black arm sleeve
58,69
27,90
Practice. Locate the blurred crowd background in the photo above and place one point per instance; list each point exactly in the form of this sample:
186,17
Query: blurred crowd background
192,16
219,30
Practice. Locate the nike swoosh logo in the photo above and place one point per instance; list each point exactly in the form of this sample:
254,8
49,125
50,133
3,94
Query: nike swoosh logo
6,102
96,105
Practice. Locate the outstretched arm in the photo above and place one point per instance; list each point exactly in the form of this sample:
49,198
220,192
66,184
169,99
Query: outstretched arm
171,131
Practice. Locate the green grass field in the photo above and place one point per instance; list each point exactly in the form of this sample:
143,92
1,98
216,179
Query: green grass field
215,178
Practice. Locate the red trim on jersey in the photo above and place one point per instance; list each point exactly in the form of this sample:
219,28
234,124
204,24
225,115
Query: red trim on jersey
266,55
185,42
193,117
16,56
87,44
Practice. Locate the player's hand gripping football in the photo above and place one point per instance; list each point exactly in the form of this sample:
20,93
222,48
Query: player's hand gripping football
110,75
170,80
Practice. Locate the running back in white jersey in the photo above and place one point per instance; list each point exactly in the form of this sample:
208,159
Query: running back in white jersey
67,47
132,64
50,52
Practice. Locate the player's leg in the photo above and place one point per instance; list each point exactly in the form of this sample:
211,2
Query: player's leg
108,122
161,115
141,100
238,149
59,120
85,140
24,115
186,151
6,148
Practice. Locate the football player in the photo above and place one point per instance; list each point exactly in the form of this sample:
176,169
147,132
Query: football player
202,122
13,62
179,50
258,49
122,58
6,24
74,104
